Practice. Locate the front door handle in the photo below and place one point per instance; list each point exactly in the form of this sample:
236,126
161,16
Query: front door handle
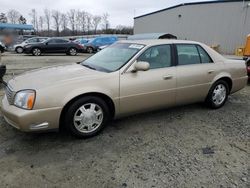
167,77
210,71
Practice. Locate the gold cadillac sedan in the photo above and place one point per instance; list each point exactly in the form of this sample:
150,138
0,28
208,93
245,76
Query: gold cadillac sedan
126,78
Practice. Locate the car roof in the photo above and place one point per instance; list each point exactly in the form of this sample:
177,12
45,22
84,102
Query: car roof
159,41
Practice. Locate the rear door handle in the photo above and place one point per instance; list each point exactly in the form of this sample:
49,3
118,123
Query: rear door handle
167,77
210,71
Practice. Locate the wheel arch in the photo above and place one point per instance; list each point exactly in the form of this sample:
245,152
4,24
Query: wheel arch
227,79
18,47
104,97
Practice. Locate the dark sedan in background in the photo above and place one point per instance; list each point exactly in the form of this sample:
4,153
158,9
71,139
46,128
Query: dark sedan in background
53,45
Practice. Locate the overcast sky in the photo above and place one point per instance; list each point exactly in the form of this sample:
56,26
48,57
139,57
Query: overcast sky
121,12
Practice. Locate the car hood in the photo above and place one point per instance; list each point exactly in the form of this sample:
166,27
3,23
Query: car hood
50,76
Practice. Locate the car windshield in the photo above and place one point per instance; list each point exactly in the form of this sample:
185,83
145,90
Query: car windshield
112,58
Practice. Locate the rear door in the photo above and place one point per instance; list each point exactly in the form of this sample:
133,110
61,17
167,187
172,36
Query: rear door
63,45
195,72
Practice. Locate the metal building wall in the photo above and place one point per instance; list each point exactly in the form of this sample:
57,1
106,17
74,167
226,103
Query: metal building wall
225,24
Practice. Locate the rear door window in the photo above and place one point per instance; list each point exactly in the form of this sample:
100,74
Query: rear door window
187,54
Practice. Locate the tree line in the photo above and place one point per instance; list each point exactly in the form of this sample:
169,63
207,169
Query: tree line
73,22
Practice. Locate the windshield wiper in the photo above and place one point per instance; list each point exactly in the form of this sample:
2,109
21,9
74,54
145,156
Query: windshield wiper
88,66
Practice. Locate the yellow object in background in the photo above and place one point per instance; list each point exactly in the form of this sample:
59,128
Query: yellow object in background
240,51
247,47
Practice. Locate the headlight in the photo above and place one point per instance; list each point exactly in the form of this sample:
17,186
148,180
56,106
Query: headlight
25,99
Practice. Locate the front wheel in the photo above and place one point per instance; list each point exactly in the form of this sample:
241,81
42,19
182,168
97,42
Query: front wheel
19,50
218,94
87,116
36,52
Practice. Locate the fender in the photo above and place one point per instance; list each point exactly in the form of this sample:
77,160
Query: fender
81,91
221,75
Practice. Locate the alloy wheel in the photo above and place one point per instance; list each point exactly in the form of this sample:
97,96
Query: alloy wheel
37,52
72,51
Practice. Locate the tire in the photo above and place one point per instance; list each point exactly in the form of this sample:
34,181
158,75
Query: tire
72,51
36,51
90,50
19,50
218,94
86,117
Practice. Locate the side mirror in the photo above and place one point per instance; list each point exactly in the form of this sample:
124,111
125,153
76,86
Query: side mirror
46,43
141,66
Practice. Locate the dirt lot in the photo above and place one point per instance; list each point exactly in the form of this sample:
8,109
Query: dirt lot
159,149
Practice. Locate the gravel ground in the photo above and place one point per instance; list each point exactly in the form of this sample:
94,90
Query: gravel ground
189,146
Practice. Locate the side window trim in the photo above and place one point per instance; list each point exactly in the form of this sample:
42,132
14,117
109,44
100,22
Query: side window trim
196,46
205,52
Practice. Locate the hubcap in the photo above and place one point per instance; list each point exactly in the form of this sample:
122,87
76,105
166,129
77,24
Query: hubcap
36,51
88,118
72,51
219,94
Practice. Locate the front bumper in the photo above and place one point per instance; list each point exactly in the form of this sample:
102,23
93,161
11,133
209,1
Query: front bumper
31,120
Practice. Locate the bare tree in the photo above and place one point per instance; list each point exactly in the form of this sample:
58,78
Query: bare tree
41,22
56,15
96,21
83,20
3,18
47,16
89,21
33,15
13,16
72,19
64,21
105,20
22,20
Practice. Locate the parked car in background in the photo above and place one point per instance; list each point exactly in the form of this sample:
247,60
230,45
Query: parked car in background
248,67
2,47
95,43
125,78
19,47
81,41
53,45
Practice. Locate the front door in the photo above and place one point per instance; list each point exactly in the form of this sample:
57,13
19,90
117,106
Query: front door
151,89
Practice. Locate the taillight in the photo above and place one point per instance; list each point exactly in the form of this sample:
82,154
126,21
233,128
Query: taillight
80,46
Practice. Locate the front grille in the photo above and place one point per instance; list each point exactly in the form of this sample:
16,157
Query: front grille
10,95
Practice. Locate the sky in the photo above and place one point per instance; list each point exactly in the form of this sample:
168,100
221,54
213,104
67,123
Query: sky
121,12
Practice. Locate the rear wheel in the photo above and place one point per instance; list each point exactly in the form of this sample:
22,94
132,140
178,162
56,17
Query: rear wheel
87,116
72,51
218,94
36,52
19,50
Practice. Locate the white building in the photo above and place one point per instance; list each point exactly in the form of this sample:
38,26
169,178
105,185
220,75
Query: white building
222,23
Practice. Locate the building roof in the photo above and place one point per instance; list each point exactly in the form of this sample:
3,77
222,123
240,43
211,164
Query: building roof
145,36
186,4
16,26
